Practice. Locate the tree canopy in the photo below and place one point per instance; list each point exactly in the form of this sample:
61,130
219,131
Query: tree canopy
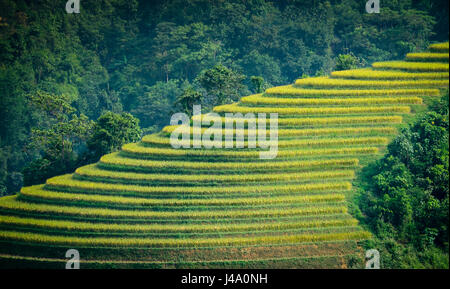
406,194
140,57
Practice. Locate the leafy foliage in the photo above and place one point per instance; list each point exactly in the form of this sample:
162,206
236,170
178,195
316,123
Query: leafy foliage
221,84
406,194
188,99
140,56
111,131
57,134
257,82
347,61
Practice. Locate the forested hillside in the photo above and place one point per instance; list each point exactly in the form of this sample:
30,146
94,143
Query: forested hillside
152,205
150,58
405,197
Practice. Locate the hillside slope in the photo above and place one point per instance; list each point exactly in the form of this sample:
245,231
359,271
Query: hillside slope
153,206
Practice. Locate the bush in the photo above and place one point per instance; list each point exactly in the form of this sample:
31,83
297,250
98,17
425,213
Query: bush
347,61
406,194
37,172
111,131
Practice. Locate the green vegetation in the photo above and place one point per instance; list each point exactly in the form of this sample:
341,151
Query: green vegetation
158,203
368,73
153,58
153,139
412,66
427,56
405,197
351,83
439,47
291,91
313,110
257,99
78,91
111,131
346,62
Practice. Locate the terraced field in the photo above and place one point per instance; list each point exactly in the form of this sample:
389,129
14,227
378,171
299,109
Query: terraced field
153,206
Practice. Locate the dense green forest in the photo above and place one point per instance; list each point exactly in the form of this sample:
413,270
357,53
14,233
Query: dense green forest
70,82
74,87
404,197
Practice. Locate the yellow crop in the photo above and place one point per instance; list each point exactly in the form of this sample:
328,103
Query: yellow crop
300,143
38,192
116,159
148,242
313,110
413,66
356,83
439,47
292,91
317,120
281,132
137,149
67,182
184,228
13,204
330,101
367,73
94,171
427,56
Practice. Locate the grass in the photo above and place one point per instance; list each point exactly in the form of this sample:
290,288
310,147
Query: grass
412,66
313,110
315,121
13,204
136,149
37,191
184,228
311,261
322,142
368,73
116,159
292,91
66,182
356,83
318,261
41,238
258,100
107,254
439,47
94,171
427,56
281,132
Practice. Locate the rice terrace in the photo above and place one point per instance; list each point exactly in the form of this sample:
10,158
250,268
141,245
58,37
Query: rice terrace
153,206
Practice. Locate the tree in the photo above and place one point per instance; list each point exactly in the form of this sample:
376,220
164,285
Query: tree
62,128
57,131
222,83
406,197
188,99
114,57
347,61
263,65
166,51
257,82
3,173
156,103
38,171
111,131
